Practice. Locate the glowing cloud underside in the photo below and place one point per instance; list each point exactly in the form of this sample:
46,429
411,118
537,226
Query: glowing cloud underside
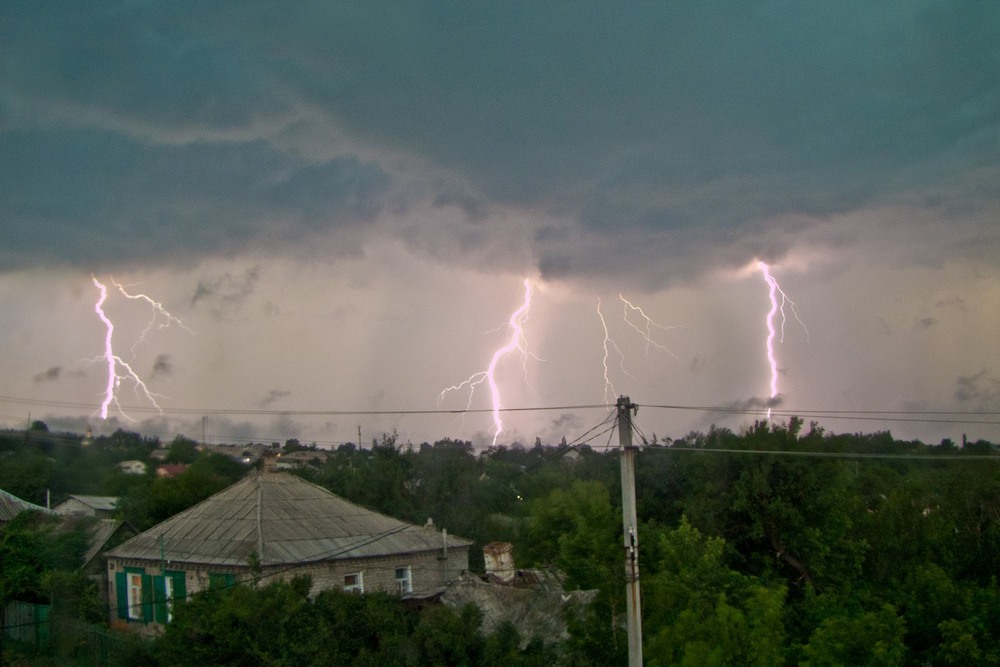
516,342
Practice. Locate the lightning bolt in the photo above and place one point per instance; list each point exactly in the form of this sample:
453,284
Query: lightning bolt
119,370
777,306
160,314
647,332
609,387
516,342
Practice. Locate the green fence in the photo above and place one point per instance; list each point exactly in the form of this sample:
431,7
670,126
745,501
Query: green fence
27,622
69,641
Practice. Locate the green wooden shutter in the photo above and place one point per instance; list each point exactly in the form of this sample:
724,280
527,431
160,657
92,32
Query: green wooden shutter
180,586
217,580
121,593
147,598
163,604
159,598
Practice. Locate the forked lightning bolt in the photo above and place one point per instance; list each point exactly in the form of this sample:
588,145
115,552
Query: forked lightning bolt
516,342
609,387
647,332
119,370
777,306
160,317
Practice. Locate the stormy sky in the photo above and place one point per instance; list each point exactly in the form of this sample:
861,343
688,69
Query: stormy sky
339,204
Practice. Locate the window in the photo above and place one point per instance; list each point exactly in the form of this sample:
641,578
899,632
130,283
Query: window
404,579
218,580
354,583
135,596
168,597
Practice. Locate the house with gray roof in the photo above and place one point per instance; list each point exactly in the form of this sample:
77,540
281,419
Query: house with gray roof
273,525
99,506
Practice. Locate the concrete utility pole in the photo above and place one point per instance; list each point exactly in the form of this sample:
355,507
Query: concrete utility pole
630,531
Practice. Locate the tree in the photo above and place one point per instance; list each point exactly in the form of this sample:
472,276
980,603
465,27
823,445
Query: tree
182,450
874,638
701,612
578,531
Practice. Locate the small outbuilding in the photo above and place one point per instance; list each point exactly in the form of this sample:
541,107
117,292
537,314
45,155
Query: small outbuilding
100,506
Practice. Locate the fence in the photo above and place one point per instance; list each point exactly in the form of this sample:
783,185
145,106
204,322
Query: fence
73,642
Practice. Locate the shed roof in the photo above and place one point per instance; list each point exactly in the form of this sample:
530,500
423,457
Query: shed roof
101,503
285,520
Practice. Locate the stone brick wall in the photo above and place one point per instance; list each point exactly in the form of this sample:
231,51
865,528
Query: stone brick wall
429,572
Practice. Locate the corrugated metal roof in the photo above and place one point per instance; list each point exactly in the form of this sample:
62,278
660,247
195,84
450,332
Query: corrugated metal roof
104,503
298,522
11,506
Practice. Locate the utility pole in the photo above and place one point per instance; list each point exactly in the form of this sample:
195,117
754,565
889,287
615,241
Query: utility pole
630,530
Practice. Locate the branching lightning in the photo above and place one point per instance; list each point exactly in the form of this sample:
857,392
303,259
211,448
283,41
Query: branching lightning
120,370
517,342
160,317
609,387
647,332
777,306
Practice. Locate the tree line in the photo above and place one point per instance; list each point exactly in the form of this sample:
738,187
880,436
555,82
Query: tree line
775,545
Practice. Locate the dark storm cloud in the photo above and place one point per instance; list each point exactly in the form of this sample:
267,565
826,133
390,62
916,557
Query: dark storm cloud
682,129
224,292
273,396
50,374
88,197
162,365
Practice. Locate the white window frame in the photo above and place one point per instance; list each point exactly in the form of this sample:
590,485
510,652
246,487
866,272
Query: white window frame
134,583
404,579
357,586
168,589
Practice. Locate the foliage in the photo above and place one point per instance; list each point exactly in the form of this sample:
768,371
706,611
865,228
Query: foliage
40,557
278,624
780,544
701,612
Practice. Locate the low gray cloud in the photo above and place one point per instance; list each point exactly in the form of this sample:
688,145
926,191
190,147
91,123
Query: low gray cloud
223,293
273,396
162,365
755,406
980,391
48,375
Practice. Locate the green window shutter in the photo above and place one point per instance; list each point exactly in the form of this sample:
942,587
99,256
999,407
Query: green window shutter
219,580
159,599
180,587
121,593
147,598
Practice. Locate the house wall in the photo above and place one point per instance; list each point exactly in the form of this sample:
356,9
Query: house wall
430,572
